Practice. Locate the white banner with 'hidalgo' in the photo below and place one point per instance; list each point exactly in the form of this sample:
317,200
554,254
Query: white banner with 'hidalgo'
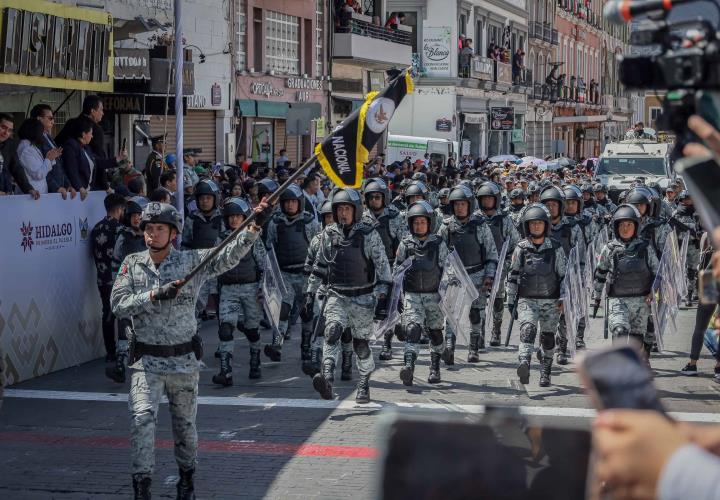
50,308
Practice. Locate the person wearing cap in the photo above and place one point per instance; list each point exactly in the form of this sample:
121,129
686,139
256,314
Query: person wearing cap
155,163
190,164
669,202
165,350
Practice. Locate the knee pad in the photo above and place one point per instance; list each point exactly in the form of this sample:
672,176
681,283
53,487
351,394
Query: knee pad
436,337
547,341
528,331
400,332
650,325
361,348
346,337
620,331
252,334
285,311
474,315
414,332
581,323
225,332
333,332
498,304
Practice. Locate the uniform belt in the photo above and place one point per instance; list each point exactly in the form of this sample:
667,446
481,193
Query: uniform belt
355,292
474,269
162,351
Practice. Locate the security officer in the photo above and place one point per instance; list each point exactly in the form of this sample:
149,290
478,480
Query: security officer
155,163
628,266
517,203
685,222
536,273
468,233
289,233
533,192
566,231
239,290
652,228
390,225
592,207
165,348
603,200
351,261
421,300
444,208
130,240
503,229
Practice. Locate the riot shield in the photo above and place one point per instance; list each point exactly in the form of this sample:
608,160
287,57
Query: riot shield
665,292
393,316
571,291
683,283
457,293
497,282
273,288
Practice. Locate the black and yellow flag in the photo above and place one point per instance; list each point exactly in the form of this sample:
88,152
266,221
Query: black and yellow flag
344,152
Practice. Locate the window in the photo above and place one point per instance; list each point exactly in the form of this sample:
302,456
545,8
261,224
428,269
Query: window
319,42
242,32
654,115
282,42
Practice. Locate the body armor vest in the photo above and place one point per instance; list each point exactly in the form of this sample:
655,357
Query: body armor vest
563,235
292,245
632,276
350,270
496,228
538,277
205,233
464,240
424,274
247,271
383,229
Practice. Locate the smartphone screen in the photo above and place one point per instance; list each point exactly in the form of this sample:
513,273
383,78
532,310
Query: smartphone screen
620,379
702,176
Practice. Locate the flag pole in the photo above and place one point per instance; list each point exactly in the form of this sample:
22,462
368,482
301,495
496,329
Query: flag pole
179,60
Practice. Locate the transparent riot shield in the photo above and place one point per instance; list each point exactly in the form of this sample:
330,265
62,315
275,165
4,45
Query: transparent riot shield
572,290
497,282
393,316
665,292
273,288
682,275
457,294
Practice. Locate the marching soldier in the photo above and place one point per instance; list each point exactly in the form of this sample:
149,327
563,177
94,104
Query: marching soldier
536,272
239,290
517,203
165,348
604,201
684,221
155,163
351,261
468,234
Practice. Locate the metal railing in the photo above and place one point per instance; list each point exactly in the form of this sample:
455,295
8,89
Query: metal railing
362,28
555,37
547,33
536,28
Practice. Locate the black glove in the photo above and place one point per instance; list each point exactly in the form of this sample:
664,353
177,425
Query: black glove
306,314
381,311
168,291
263,216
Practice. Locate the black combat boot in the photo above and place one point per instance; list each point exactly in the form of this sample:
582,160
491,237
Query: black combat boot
274,351
141,486
407,371
523,370
473,356
346,365
305,340
255,371
434,375
448,354
562,355
185,485
117,373
323,381
312,367
495,340
225,375
386,351
363,390
580,341
546,368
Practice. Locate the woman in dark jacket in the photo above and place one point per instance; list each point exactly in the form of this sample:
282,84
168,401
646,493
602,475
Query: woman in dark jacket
85,171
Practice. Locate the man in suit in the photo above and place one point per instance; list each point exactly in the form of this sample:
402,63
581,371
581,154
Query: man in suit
155,163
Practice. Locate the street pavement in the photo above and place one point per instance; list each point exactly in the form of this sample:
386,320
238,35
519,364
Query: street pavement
65,435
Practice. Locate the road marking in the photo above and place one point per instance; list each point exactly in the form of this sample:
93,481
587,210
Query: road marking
268,403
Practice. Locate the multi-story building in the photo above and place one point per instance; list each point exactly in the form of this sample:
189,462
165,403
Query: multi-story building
480,103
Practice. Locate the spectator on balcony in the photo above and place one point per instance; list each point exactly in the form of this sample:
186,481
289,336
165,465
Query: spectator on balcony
36,164
10,168
518,66
57,179
395,20
83,168
466,55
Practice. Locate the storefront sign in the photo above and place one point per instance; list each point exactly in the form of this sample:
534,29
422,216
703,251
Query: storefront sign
502,118
54,45
303,83
215,94
320,128
482,68
132,64
436,50
162,78
266,88
592,134
196,101
443,125
475,119
138,104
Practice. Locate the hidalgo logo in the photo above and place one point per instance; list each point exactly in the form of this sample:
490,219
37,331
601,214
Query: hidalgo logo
27,239
379,114
83,228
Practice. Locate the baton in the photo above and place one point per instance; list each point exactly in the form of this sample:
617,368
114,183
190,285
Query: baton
512,320
271,200
607,315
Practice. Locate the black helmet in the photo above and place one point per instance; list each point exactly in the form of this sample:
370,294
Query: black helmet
463,193
683,195
489,188
266,187
325,208
517,193
377,186
236,206
573,192
586,188
161,213
533,188
599,188
640,195
622,196
416,188
443,193
553,193
293,192
347,196
135,205
626,211
535,211
206,186
419,176
421,209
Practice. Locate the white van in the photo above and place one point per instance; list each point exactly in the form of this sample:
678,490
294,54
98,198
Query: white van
400,147
624,161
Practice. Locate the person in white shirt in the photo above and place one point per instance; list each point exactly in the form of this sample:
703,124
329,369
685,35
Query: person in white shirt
36,165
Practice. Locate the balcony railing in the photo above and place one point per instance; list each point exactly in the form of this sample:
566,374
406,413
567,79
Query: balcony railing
490,70
547,33
536,30
361,27
555,39
565,93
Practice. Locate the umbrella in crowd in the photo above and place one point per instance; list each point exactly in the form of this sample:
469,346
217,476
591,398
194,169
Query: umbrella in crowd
531,160
502,158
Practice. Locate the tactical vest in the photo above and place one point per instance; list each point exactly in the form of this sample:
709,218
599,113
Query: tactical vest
649,234
464,240
538,277
132,243
292,245
446,209
563,235
247,271
205,233
424,274
351,273
632,276
496,228
383,229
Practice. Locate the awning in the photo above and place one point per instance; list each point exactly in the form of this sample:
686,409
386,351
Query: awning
245,107
270,109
